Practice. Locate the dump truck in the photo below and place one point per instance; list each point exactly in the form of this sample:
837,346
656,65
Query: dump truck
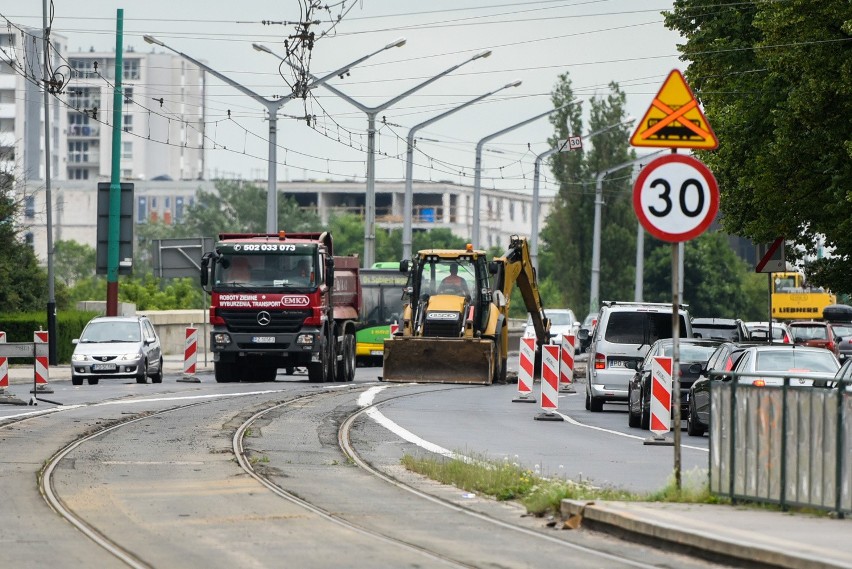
454,327
281,300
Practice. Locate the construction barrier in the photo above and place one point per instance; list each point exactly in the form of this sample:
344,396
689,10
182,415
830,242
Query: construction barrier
42,367
661,397
4,368
566,365
549,383
190,357
525,371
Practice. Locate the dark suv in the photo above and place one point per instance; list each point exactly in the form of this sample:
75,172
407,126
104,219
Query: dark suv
725,329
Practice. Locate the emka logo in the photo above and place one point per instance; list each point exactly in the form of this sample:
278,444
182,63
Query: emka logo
295,301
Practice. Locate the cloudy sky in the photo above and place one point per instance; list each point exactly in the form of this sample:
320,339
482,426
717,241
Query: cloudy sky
596,41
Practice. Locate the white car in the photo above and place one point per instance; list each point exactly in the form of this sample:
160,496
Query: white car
117,346
562,322
803,364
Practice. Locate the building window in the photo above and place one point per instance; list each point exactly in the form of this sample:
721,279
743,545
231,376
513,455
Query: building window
78,151
29,238
127,173
511,211
29,207
128,95
128,123
78,174
178,208
141,209
127,150
153,202
131,69
524,212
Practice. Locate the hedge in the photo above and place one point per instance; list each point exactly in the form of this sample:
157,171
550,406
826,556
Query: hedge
20,326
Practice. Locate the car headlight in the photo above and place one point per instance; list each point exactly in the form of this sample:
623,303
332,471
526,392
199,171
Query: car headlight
79,358
305,340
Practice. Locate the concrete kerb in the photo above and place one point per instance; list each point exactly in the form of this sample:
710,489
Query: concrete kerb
752,540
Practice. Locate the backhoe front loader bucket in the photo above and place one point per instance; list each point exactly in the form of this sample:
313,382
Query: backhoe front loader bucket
439,360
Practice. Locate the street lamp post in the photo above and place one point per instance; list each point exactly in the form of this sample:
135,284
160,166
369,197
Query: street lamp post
477,176
409,166
537,175
272,106
372,113
594,288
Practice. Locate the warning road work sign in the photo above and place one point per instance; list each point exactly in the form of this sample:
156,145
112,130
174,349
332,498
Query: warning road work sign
674,119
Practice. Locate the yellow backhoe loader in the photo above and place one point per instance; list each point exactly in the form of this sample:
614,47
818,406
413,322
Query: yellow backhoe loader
456,313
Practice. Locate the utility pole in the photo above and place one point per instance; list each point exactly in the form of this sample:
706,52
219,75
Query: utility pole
51,289
115,178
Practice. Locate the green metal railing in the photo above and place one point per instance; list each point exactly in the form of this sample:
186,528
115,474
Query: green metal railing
786,444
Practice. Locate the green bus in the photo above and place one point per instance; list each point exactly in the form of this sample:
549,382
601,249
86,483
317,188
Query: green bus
381,298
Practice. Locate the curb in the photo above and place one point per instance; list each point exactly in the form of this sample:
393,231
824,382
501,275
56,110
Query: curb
607,517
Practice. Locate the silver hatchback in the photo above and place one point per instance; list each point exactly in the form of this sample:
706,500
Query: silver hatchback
117,346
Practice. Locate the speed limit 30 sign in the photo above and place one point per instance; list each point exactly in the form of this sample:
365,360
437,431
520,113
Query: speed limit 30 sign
676,198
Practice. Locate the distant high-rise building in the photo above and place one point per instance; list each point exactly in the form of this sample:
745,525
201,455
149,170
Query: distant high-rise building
162,117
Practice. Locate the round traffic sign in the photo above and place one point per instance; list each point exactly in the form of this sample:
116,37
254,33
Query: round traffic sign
675,198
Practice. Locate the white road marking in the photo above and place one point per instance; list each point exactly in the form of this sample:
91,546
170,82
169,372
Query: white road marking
620,434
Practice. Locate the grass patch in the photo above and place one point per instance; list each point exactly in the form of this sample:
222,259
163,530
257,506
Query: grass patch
542,496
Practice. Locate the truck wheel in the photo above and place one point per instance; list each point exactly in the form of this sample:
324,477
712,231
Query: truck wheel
346,366
318,372
224,372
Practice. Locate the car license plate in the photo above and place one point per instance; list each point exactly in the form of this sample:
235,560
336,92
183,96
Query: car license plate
376,353
617,363
263,339
103,367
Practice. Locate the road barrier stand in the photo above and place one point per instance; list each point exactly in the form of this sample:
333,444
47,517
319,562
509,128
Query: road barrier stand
525,371
661,401
42,367
566,365
6,398
190,357
549,384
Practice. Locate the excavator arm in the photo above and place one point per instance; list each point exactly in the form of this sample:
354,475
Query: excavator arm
515,268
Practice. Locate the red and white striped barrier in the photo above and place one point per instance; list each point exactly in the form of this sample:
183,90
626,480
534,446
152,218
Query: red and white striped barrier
526,370
42,367
661,395
394,328
549,378
566,366
190,356
4,368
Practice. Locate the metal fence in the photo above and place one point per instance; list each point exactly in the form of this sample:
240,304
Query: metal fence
788,445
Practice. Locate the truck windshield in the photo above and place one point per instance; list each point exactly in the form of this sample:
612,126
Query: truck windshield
266,270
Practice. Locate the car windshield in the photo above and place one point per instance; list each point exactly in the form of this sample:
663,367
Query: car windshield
691,352
556,318
112,332
789,360
810,332
843,331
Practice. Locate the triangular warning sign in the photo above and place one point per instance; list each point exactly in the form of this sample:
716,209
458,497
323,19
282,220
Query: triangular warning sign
674,119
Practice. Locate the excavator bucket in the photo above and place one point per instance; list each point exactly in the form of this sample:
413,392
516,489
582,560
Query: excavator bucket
438,360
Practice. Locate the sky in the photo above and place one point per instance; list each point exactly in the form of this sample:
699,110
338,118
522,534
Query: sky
595,41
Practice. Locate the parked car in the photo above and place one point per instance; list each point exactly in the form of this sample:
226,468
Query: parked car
562,321
618,344
816,334
844,373
117,346
804,364
725,329
760,331
589,323
698,410
844,342
693,354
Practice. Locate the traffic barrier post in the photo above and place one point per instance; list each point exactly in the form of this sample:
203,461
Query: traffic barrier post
549,384
190,356
566,364
42,367
661,401
6,398
525,371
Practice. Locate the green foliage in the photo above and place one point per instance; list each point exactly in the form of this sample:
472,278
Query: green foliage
716,283
73,261
566,256
774,79
19,327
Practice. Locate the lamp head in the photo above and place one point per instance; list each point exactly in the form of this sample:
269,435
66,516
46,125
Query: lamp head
485,53
153,40
514,83
396,43
261,47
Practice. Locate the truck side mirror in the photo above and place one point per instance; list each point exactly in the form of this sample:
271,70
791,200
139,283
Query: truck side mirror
205,269
493,267
329,272
403,266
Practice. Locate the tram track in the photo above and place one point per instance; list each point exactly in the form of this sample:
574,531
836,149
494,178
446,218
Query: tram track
346,446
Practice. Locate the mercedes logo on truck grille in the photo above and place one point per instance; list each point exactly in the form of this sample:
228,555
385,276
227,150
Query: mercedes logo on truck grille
264,318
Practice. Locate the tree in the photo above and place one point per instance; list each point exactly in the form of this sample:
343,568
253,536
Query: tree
73,261
566,257
774,79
